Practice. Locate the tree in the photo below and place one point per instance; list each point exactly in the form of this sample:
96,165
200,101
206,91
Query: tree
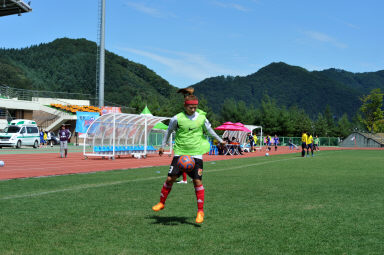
269,115
371,110
300,121
321,126
330,121
344,127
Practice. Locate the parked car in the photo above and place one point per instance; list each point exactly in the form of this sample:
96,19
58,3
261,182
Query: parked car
54,139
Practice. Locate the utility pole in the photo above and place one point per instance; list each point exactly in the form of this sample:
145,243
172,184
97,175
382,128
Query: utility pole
101,54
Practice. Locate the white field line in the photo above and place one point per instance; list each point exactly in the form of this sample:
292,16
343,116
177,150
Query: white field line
98,185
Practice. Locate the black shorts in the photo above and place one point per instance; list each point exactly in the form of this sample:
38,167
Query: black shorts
196,173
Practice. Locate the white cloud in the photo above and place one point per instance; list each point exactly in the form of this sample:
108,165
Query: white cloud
191,66
235,6
321,37
146,9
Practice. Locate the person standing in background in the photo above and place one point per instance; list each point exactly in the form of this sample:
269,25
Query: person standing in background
276,141
255,139
45,138
316,143
304,138
310,144
64,135
41,138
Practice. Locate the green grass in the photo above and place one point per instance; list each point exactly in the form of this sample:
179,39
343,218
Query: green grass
330,204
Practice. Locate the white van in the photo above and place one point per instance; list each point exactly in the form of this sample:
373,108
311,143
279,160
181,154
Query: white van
20,132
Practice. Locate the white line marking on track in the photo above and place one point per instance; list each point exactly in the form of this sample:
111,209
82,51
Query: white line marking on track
88,186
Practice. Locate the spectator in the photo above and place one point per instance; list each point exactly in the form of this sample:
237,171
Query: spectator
41,138
290,144
45,138
251,142
49,139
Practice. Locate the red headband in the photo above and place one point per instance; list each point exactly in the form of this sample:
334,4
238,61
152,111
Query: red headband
187,102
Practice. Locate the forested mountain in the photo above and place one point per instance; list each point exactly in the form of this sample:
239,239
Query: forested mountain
69,65
294,86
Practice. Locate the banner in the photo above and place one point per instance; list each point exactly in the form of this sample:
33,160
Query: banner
110,109
84,120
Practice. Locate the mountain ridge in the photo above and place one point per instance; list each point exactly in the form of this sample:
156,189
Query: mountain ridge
69,65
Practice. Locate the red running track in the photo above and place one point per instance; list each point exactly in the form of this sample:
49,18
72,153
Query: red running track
47,164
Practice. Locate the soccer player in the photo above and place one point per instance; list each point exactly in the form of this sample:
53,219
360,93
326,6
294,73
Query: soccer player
189,140
304,138
64,135
268,142
310,144
316,143
276,140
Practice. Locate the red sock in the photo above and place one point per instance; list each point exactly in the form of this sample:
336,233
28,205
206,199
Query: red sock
199,190
165,192
184,176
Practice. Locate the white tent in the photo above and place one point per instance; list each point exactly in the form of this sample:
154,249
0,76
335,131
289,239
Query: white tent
242,136
120,134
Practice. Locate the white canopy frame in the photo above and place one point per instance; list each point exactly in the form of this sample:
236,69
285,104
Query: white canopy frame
241,136
120,134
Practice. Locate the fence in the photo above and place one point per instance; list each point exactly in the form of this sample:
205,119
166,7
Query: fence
324,141
27,95
155,139
7,92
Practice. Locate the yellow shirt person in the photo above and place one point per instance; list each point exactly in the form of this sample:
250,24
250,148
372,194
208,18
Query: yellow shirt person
310,139
304,138
255,138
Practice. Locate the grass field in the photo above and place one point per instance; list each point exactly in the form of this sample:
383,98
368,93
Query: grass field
332,203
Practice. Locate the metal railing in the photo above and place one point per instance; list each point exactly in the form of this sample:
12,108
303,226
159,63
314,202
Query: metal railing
28,95
7,92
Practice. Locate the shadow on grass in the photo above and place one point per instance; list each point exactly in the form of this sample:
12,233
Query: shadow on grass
172,221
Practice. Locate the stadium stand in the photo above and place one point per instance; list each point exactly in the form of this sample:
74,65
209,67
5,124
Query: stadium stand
10,7
75,108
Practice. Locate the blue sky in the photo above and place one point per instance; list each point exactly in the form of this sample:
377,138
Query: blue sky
186,41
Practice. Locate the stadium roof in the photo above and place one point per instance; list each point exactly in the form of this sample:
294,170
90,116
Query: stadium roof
10,7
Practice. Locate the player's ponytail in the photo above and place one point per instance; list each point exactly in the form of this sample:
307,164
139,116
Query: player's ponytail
189,97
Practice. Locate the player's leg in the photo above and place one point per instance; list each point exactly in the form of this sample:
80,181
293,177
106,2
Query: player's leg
184,181
197,175
62,149
173,174
65,148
